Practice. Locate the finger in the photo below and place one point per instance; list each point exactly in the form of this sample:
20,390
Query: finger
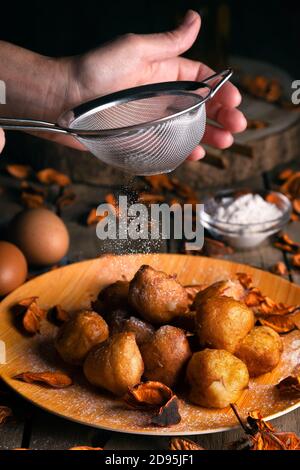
162,46
188,69
197,154
217,137
231,119
2,140
66,140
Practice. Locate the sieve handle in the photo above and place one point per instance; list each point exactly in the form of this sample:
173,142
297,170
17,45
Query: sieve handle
29,125
33,125
222,76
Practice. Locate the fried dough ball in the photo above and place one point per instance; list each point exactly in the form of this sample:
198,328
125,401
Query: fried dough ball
260,350
222,323
222,288
116,364
79,334
112,297
143,331
165,355
156,296
216,378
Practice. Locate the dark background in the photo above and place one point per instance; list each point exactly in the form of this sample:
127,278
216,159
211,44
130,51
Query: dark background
266,30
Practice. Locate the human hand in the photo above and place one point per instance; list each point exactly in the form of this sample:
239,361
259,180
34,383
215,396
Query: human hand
133,60
2,140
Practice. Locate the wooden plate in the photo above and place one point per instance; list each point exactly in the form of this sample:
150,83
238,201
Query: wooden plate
74,286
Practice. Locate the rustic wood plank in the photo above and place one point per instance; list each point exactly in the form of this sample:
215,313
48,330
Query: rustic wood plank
52,432
12,432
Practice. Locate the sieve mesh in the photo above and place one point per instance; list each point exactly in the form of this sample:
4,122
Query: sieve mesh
149,148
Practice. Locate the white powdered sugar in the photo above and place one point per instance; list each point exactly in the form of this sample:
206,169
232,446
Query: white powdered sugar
244,221
246,209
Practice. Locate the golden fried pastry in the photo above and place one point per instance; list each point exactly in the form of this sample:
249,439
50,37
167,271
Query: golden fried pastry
156,296
112,297
216,378
79,334
116,364
260,350
143,331
222,323
227,288
165,355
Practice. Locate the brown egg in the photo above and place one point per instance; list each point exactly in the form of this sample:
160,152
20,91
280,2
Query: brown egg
41,235
13,268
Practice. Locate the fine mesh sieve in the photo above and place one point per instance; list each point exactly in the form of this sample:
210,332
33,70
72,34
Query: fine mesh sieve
144,130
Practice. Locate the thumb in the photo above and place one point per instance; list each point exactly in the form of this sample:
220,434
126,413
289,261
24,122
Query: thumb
170,44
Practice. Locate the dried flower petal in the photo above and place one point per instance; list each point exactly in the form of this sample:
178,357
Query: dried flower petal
285,174
52,379
292,186
58,315
148,395
254,124
262,87
280,269
32,314
281,324
273,198
245,279
31,200
5,414
285,238
32,317
52,176
85,448
159,182
263,436
290,384
168,414
93,218
184,190
294,217
296,260
66,199
18,171
296,205
183,444
284,247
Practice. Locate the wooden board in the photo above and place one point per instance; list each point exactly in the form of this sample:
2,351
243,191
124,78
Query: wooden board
74,286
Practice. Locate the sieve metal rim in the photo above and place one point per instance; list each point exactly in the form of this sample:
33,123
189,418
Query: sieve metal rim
89,108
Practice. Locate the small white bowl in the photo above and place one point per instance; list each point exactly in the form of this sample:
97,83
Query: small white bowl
244,236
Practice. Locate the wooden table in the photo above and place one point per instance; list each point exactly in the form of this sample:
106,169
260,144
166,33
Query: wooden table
36,429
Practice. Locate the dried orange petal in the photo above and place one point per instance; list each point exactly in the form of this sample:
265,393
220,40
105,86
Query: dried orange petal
5,414
148,395
18,171
52,176
52,379
183,444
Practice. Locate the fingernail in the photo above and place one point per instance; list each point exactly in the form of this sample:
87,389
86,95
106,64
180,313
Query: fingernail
190,17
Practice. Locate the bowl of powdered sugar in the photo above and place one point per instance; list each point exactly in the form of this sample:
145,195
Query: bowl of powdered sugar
245,219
